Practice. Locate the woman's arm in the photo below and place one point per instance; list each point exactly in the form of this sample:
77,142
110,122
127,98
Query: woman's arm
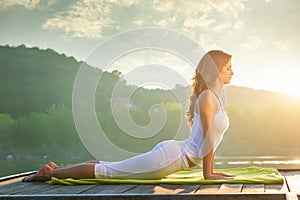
212,161
206,110
212,167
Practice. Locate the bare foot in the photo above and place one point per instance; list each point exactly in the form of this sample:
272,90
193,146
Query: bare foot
44,174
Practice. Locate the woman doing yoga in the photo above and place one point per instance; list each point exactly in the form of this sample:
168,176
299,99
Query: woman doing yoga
208,121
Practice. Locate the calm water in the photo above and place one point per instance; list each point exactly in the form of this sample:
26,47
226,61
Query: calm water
12,166
279,162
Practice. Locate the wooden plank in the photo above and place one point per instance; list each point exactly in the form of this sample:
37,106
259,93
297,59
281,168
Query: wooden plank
230,188
11,181
277,188
291,196
37,188
12,186
7,182
188,189
175,189
237,196
293,181
67,189
253,188
167,189
109,189
153,189
14,176
208,189
163,189
141,189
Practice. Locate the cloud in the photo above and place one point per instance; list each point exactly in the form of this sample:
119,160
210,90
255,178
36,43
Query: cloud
194,7
166,22
138,22
207,21
238,25
222,27
252,42
88,18
28,4
194,22
124,3
233,7
163,6
269,25
92,19
84,19
129,65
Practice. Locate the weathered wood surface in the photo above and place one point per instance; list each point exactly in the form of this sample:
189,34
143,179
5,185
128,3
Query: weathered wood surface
13,188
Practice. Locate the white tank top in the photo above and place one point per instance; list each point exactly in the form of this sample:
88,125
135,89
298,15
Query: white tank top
193,145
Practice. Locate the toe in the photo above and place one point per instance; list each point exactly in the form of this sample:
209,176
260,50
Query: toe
52,165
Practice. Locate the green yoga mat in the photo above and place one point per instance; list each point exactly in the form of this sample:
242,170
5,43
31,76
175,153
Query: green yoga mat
195,176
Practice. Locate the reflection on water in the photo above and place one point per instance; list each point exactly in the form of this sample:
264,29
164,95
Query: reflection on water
256,162
279,162
8,167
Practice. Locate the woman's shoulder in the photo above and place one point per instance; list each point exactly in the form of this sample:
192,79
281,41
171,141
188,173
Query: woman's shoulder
205,95
205,99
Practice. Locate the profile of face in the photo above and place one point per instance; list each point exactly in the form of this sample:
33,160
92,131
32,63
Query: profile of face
214,69
226,73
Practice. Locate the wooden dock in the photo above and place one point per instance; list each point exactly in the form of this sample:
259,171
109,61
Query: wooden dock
12,188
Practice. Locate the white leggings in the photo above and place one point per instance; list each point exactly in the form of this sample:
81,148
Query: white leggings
165,158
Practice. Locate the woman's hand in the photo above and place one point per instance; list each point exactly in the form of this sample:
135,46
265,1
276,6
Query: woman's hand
218,176
222,174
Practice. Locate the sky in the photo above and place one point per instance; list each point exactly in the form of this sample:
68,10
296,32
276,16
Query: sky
262,35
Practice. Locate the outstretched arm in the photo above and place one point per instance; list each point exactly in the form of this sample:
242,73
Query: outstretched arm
212,161
212,167
206,109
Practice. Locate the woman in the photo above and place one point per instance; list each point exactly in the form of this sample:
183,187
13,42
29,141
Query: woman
208,122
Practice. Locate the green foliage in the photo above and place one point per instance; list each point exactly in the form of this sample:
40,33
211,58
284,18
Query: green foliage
33,79
141,118
7,128
262,131
36,90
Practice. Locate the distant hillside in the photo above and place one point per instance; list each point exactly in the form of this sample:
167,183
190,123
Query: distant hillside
33,80
247,96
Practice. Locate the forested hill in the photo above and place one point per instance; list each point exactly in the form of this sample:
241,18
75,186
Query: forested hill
245,96
35,105
33,79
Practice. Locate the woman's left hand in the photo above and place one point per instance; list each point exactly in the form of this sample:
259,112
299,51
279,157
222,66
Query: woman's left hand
222,174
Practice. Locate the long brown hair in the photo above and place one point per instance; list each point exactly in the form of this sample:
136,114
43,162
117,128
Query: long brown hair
206,75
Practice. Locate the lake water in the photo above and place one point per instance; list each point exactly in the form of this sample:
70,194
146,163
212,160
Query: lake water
9,167
279,162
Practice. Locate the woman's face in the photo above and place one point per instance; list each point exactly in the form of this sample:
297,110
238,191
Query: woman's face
226,73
